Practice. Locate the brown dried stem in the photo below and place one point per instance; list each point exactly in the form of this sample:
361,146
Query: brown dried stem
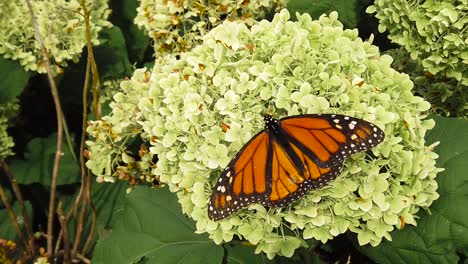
79,227
58,111
83,258
93,215
59,239
20,199
13,217
66,241
84,196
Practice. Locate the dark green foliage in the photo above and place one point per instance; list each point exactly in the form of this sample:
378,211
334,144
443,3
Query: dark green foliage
7,229
137,41
152,227
111,56
38,163
348,10
13,79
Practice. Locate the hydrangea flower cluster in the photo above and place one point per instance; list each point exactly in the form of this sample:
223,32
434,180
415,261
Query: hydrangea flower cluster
434,32
178,26
109,154
198,110
448,97
7,111
61,25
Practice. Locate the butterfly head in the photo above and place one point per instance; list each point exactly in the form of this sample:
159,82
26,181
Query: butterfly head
271,123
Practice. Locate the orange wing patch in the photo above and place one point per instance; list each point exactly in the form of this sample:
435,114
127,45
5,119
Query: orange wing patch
248,171
285,178
288,184
323,142
243,181
307,122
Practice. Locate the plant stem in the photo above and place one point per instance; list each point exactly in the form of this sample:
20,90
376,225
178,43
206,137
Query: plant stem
66,241
58,152
13,217
19,197
83,258
85,191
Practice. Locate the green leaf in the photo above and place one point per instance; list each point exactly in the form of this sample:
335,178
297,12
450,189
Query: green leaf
39,161
108,199
111,56
442,234
152,228
14,79
7,228
348,10
138,42
238,254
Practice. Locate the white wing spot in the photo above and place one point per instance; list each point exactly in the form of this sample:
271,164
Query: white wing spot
223,189
338,126
351,126
354,137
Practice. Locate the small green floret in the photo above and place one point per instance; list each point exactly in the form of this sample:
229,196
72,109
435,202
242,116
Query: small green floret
7,111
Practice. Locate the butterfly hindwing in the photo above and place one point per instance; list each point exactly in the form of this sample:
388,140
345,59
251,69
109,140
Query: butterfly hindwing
289,184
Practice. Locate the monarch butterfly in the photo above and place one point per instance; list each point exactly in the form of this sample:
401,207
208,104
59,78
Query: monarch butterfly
288,158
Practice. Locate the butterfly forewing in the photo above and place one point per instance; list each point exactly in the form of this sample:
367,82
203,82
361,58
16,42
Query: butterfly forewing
328,139
244,180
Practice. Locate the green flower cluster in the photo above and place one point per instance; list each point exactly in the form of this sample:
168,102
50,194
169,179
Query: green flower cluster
109,152
448,97
197,111
178,26
7,111
433,31
61,25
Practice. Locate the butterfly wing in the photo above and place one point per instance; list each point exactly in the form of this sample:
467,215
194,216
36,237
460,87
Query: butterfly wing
319,143
275,170
289,184
244,181
327,139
